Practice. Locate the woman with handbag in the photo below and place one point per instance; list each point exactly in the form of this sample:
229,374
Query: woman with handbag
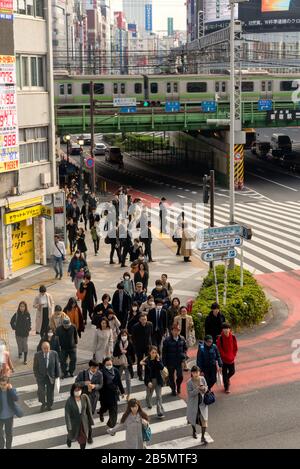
101,310
103,341
136,424
21,324
8,409
77,269
124,358
187,330
79,417
109,393
197,410
153,379
80,242
114,324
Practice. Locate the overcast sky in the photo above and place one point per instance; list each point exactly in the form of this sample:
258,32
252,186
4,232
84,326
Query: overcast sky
162,9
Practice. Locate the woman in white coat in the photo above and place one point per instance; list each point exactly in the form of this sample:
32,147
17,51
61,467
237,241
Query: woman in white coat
103,341
44,305
197,411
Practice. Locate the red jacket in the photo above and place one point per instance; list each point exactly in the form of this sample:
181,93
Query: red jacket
227,347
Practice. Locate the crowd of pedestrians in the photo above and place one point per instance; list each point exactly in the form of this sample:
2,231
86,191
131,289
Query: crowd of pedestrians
138,326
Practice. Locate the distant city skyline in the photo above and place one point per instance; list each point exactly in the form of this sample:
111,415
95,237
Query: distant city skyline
162,10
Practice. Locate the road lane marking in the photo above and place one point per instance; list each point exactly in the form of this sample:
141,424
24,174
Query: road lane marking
274,182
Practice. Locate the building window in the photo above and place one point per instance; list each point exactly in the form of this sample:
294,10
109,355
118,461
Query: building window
288,86
154,88
62,89
223,86
30,7
175,87
137,88
85,88
247,86
33,145
196,87
99,88
115,88
217,87
30,71
123,88
168,87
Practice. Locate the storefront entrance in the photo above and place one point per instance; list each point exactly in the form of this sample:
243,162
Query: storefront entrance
22,244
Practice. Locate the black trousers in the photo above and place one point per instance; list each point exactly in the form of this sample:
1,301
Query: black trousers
6,425
125,252
179,376
87,308
64,355
148,250
211,377
46,389
227,372
112,412
45,322
96,245
156,339
72,243
114,247
178,242
162,223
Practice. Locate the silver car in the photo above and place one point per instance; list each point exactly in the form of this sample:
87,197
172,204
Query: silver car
100,149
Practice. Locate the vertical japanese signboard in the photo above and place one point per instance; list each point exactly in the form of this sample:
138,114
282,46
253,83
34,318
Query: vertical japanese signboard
148,17
6,9
9,154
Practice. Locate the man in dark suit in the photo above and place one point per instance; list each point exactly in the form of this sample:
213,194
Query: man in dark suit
46,370
91,381
121,303
158,317
141,339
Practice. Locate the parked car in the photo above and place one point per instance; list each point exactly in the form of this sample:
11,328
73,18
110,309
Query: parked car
114,155
75,149
100,149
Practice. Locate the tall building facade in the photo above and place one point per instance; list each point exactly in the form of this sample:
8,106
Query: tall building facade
28,181
140,13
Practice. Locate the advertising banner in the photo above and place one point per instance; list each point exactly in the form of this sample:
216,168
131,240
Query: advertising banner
148,17
270,15
6,9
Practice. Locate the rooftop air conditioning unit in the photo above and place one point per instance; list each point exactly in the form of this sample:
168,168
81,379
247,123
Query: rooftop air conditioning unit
45,178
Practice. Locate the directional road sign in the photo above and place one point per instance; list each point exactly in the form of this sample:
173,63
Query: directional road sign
89,162
265,105
220,232
128,109
172,106
127,102
218,255
220,243
209,106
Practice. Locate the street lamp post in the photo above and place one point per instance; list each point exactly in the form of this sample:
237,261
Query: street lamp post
67,138
81,143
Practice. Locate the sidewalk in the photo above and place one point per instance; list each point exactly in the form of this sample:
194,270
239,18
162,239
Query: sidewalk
185,278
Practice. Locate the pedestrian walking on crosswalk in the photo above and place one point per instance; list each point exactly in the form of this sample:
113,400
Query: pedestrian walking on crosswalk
135,422
109,394
46,370
153,379
8,409
173,355
197,410
79,418
21,324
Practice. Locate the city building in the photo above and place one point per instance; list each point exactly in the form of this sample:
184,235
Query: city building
119,45
28,181
140,13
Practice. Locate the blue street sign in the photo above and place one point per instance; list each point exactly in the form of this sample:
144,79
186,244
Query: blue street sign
89,162
128,109
209,106
220,243
172,106
218,255
265,105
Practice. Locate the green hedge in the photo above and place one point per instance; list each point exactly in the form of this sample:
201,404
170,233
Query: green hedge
244,307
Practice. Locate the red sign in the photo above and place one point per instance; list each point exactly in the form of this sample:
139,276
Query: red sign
89,162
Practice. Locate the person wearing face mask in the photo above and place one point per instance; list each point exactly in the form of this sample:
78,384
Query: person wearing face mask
53,342
77,268
109,394
21,324
134,315
147,305
141,339
141,276
103,341
101,310
124,358
158,317
8,409
114,324
197,411
68,339
173,355
44,304
172,312
139,294
153,379
56,319
159,291
132,421
121,303
128,284
91,381
78,417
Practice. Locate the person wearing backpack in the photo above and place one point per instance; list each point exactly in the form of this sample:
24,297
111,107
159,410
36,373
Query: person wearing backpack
209,360
21,324
227,346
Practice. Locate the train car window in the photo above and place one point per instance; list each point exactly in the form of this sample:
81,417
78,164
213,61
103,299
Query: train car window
223,86
115,88
175,87
217,87
154,88
247,86
85,88
270,85
61,89
263,86
287,86
196,87
169,87
69,86
99,88
123,88
138,88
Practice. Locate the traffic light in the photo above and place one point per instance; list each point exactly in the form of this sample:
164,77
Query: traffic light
146,104
205,189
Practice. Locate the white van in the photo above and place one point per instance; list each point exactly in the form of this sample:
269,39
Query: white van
281,142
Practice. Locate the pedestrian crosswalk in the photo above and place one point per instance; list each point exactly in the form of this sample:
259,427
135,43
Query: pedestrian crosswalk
276,226
47,430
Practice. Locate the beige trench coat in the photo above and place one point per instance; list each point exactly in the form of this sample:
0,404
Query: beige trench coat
39,312
186,243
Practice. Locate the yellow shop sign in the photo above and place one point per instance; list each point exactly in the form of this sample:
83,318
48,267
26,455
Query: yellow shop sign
20,215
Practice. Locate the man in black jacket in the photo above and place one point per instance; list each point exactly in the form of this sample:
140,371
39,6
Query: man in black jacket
121,303
91,381
68,339
141,339
214,321
72,233
147,240
46,370
173,354
88,289
158,317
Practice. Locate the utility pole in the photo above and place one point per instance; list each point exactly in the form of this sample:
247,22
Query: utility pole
92,108
209,193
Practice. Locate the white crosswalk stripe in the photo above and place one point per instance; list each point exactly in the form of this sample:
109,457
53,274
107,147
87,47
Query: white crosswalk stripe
276,226
47,430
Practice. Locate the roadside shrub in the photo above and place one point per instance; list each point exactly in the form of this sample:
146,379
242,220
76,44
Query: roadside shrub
244,306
